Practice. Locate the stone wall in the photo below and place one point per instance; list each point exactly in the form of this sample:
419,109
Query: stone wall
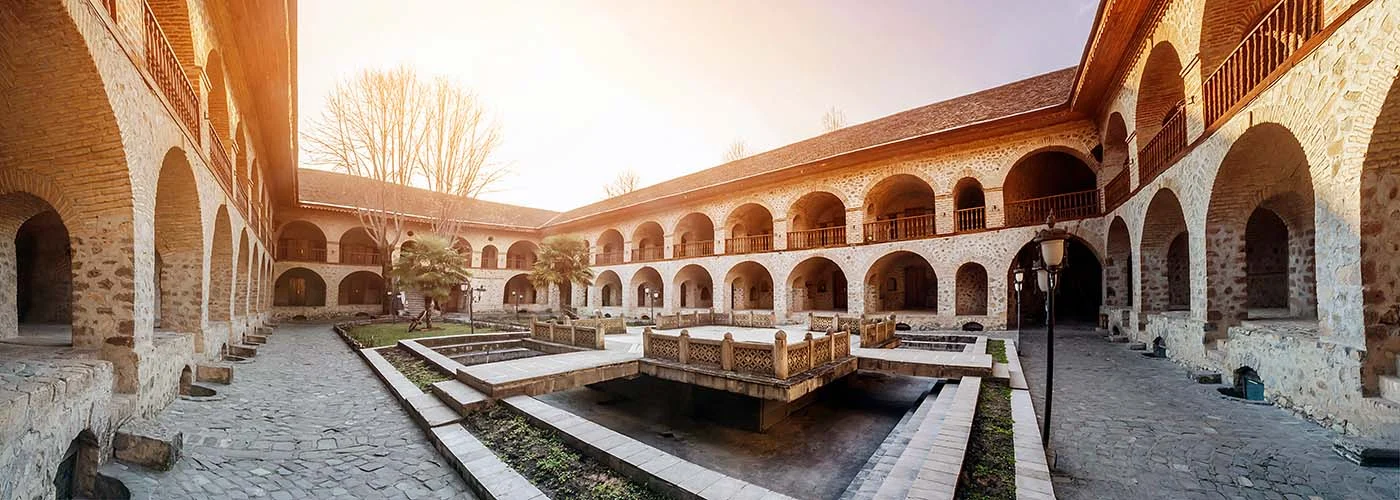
47,407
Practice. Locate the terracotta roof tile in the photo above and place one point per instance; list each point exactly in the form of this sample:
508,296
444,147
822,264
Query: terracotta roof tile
333,188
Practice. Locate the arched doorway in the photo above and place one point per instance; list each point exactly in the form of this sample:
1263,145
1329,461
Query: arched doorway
694,287
1048,182
1380,246
648,242
519,291
1118,270
299,287
816,220
241,269
971,290
358,248
522,255
1165,256
179,234
1160,111
609,289
969,206
361,288
648,289
901,281
1079,293
750,286
695,236
221,277
750,230
817,284
899,207
610,248
44,273
490,259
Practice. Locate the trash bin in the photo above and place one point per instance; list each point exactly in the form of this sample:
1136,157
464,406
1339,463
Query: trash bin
1253,388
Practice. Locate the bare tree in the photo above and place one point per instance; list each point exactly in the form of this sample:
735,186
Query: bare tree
737,150
457,160
833,119
373,127
625,182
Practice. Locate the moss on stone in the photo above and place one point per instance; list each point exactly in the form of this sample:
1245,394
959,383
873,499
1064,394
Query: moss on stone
997,348
989,468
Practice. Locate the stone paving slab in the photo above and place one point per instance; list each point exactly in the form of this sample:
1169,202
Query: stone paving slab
938,474
459,396
544,374
903,468
1032,473
919,363
637,460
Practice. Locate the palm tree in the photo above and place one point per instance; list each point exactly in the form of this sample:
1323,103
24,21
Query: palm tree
563,259
429,265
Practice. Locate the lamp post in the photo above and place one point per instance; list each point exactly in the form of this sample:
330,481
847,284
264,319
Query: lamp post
1052,258
1020,277
515,299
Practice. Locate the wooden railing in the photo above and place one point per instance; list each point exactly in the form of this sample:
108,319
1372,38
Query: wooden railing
748,244
169,75
223,168
111,7
1279,34
902,228
1065,206
694,249
648,254
816,238
608,258
970,219
1157,155
518,262
779,360
301,250
1117,190
359,258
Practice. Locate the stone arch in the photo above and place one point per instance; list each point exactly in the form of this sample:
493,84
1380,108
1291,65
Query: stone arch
750,286
358,247
1380,243
694,287
216,95
609,289
522,255
899,207
463,248
901,281
610,248
1118,268
1080,292
489,257
360,288
179,242
1224,24
1161,93
695,236
221,277
299,287
648,242
39,243
816,220
971,281
518,290
240,291
1049,181
1115,146
1265,168
647,280
749,228
969,205
817,284
1164,255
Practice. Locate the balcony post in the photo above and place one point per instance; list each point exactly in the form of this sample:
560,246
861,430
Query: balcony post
780,229
996,208
855,225
943,222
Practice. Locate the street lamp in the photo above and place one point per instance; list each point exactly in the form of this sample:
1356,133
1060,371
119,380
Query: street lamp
1052,258
515,298
1020,277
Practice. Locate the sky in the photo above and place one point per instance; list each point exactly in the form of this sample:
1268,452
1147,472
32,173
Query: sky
584,89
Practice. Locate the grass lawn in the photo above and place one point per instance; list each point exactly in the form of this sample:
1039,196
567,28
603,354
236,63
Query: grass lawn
382,334
997,348
418,371
989,469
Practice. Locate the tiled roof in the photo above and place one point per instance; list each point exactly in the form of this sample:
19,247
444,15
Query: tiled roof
1033,93
332,188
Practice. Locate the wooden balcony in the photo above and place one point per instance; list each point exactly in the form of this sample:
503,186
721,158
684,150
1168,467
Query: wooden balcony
1162,149
648,254
970,219
360,258
520,263
1277,37
694,249
825,237
169,75
899,229
1117,190
301,250
1065,206
111,8
748,244
607,259
223,167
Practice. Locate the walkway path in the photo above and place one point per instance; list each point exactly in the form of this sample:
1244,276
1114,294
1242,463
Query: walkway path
306,419
1126,426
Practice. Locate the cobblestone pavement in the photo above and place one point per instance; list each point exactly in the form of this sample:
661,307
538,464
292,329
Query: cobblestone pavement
306,419
1127,426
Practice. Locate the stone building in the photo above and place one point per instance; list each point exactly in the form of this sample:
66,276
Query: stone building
1227,168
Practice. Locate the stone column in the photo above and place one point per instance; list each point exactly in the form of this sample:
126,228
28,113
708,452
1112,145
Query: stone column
943,213
780,229
855,225
668,243
720,234
996,208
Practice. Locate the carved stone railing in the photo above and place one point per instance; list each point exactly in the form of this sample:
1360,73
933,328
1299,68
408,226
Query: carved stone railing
749,244
1279,35
169,75
648,254
694,249
1159,152
301,250
573,334
1065,206
1117,190
970,219
778,360
749,319
818,323
816,238
609,326
606,259
877,334
901,228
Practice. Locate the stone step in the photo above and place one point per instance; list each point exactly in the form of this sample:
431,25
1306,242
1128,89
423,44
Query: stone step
243,350
147,443
1390,387
905,464
459,396
933,346
1118,339
478,346
1137,346
936,337
479,357
879,464
214,372
263,330
255,339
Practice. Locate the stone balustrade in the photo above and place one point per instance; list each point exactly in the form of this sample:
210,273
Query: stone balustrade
877,334
750,319
818,323
609,326
779,360
573,334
